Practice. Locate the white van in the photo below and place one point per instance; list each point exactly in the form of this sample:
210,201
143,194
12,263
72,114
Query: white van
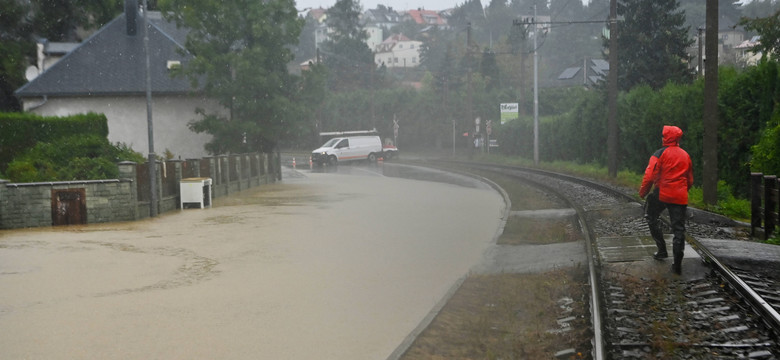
348,149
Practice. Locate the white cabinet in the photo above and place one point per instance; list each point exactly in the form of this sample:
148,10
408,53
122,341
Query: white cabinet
195,192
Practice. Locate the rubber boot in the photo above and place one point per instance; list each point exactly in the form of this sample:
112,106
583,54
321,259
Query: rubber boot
678,251
660,243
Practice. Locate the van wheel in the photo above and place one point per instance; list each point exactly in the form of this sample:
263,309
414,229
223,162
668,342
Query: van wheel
371,157
333,160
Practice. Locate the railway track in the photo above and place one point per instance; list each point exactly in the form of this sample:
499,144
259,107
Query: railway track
724,313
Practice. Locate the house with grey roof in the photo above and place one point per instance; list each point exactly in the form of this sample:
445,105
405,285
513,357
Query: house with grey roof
107,74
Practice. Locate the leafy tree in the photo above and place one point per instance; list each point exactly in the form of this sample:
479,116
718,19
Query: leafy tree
348,58
241,50
311,97
759,8
306,48
15,45
58,20
769,30
488,67
652,40
499,17
471,12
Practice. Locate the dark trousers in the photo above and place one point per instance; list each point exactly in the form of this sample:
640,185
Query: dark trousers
677,218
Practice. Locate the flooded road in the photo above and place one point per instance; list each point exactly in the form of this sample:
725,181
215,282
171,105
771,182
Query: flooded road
320,266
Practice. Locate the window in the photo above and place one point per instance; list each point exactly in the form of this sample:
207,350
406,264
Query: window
395,60
414,60
400,46
411,46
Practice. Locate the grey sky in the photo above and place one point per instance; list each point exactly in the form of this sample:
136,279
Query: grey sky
395,4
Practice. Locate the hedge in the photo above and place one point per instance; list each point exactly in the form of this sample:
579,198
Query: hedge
21,131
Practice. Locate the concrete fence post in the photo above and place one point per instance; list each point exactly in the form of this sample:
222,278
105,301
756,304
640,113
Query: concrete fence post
3,203
265,167
128,173
755,202
770,205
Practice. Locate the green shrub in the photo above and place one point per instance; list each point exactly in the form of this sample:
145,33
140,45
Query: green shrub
83,157
31,171
727,205
21,131
90,169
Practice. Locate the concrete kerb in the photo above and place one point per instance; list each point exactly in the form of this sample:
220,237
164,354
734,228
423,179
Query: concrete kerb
428,319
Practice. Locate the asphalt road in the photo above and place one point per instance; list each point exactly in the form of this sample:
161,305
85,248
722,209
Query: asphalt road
325,265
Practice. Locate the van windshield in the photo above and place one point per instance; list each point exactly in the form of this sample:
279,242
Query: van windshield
331,142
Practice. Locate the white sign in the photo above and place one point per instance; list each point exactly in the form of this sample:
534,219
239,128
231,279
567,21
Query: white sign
509,111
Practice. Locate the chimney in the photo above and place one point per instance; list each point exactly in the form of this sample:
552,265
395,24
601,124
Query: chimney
131,16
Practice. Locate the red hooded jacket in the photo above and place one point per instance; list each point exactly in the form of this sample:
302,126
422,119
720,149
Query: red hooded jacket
669,170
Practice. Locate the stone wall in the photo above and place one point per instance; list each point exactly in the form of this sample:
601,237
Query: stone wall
43,204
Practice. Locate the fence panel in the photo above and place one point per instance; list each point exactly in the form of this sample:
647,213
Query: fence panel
764,202
205,168
142,181
169,181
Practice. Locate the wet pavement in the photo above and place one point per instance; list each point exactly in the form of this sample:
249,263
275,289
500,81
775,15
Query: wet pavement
328,265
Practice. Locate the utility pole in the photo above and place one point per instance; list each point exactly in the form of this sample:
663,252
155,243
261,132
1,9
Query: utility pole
373,86
152,162
710,121
612,90
536,91
700,68
469,110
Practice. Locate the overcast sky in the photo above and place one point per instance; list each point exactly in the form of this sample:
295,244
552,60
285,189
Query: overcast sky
395,4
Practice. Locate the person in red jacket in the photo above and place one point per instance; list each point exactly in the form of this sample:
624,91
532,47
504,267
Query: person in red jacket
668,177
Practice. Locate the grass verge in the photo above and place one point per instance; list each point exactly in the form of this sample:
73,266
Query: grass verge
509,316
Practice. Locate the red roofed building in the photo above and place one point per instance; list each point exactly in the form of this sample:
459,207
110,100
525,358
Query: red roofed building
426,17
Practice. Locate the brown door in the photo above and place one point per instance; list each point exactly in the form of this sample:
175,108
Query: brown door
68,207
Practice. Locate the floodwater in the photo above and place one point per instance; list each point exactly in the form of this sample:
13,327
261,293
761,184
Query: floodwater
322,266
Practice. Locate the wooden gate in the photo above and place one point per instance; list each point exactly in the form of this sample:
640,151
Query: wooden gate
68,207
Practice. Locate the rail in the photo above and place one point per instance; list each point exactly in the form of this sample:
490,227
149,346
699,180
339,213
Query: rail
764,190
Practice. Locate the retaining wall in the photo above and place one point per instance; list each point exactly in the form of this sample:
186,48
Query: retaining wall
96,201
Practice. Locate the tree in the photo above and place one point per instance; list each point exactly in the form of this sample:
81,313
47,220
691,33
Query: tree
15,45
759,8
58,20
769,30
652,40
348,58
567,45
307,48
488,67
471,12
240,51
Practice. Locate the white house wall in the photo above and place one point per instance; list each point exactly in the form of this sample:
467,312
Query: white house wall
374,37
404,54
127,120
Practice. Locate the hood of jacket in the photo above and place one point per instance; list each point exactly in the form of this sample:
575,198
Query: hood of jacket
671,135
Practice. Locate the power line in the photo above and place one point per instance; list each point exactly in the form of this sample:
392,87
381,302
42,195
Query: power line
565,22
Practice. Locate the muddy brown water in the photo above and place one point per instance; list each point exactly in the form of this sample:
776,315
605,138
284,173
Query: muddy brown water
324,266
